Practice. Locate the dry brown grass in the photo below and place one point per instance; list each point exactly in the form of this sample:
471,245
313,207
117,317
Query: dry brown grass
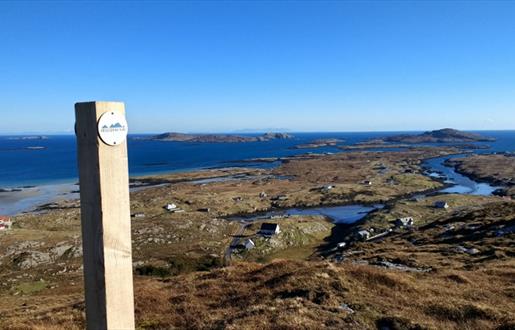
309,295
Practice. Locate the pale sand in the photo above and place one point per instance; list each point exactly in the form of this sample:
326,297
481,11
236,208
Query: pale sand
28,199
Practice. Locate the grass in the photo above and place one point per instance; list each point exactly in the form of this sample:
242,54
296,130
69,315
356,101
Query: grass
291,294
29,288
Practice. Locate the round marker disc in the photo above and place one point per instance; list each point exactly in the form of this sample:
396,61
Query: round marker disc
112,128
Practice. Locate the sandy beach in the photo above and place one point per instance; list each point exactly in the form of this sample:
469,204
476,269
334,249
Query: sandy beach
27,199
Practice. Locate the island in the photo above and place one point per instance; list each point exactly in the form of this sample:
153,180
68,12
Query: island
445,135
31,137
318,144
217,138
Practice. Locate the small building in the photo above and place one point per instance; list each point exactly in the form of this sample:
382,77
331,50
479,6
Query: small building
263,195
367,183
249,244
138,215
280,198
269,229
326,188
404,222
341,245
441,205
363,235
172,208
204,209
5,223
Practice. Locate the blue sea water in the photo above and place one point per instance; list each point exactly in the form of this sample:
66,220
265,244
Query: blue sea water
56,163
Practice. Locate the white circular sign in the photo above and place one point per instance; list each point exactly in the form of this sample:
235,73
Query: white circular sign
112,128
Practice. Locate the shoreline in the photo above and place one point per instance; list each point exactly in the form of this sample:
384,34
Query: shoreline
32,198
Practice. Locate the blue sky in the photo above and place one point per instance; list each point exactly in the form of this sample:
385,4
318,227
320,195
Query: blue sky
224,66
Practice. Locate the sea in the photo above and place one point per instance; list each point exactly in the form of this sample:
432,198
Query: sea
51,162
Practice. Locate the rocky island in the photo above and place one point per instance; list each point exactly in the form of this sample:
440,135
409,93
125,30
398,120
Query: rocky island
217,138
318,144
445,135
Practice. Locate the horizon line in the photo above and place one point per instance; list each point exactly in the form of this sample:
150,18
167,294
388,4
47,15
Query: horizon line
256,132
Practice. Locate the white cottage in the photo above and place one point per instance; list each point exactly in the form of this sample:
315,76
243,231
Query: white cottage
249,244
441,205
269,229
404,222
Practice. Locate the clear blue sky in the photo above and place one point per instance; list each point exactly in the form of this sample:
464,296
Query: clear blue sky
222,66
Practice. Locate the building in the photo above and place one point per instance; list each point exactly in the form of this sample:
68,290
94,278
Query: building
170,207
404,222
280,198
5,223
441,205
363,235
327,188
249,244
269,229
367,183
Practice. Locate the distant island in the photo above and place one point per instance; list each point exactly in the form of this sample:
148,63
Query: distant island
445,135
218,138
318,144
31,137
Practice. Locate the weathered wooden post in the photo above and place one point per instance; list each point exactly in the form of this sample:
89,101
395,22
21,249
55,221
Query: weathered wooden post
101,131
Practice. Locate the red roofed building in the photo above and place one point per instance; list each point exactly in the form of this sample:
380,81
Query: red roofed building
5,222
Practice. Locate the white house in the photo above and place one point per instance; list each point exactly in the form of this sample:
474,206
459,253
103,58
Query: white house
269,229
170,207
327,188
249,244
404,222
441,205
341,245
363,235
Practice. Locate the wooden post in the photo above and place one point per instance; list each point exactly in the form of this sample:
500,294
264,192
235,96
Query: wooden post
105,217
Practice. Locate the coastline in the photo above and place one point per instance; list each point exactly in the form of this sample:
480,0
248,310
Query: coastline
30,198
